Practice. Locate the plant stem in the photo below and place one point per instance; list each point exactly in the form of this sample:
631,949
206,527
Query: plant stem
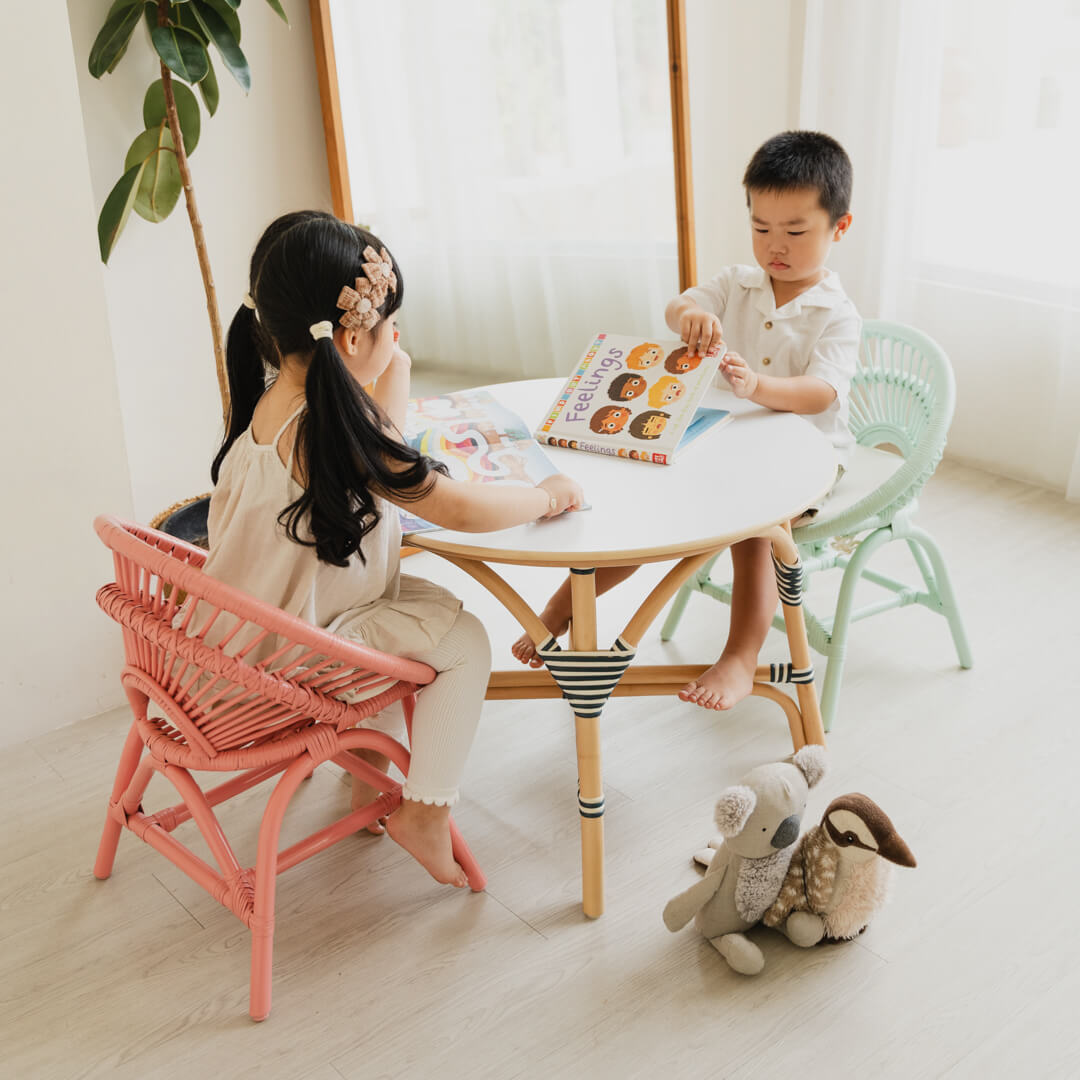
196,224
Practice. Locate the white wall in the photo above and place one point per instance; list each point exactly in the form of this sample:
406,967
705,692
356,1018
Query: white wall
63,449
997,341
259,156
113,403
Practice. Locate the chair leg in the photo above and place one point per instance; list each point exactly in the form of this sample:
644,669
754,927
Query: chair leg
262,919
830,690
837,645
671,623
941,586
110,836
466,860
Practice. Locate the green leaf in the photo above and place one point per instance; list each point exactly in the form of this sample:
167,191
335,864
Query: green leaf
209,89
113,38
114,213
276,5
159,186
187,108
232,20
234,4
227,45
181,52
150,15
187,18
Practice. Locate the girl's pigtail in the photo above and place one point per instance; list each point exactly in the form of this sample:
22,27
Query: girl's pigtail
350,452
247,380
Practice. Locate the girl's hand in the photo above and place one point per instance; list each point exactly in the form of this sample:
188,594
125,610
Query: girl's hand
743,380
563,493
702,332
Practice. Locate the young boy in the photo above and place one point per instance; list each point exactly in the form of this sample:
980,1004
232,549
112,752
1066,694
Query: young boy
790,338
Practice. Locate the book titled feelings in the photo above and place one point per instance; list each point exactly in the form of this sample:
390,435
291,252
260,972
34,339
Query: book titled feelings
633,398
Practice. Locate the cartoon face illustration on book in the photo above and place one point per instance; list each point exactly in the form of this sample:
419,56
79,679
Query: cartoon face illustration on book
678,363
666,390
627,386
609,420
626,390
644,356
649,425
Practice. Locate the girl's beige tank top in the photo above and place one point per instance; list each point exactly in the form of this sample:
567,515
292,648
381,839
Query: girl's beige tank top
250,550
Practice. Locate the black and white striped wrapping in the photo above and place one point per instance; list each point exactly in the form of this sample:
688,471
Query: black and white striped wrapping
586,678
788,582
592,808
789,673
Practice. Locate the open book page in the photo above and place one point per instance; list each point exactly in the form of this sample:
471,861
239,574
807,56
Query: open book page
629,397
478,439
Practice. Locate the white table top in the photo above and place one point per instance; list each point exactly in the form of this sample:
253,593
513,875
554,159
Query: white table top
758,470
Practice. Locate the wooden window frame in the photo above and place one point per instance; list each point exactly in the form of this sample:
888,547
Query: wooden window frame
337,162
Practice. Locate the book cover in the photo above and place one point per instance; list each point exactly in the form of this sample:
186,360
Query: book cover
478,439
633,398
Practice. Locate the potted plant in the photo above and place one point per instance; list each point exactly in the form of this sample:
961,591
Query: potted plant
156,169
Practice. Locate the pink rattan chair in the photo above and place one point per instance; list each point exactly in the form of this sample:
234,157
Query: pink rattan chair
241,686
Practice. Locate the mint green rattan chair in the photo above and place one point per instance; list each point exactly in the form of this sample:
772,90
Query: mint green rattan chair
901,396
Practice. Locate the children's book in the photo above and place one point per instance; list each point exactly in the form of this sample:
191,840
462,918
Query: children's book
633,398
478,440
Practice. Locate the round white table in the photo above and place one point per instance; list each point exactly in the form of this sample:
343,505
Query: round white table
749,477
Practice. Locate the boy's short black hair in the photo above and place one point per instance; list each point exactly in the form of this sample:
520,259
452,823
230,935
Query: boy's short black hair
803,159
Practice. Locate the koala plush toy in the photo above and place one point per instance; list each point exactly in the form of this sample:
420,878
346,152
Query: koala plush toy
759,819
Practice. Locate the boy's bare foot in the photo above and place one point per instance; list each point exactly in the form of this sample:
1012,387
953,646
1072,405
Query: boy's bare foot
424,832
363,793
725,684
524,650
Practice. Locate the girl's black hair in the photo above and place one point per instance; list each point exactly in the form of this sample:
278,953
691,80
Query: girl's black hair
248,348
346,445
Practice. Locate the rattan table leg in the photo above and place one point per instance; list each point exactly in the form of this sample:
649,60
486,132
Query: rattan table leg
590,768
785,549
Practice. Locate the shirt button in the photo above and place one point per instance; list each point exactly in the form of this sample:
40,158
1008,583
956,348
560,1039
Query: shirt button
766,360
768,325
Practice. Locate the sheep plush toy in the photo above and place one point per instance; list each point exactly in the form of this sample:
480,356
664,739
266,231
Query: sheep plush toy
759,819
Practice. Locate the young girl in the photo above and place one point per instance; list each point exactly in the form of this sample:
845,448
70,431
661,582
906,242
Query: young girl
303,514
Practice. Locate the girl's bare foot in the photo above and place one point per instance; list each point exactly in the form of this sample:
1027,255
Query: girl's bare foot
558,622
424,832
363,793
725,684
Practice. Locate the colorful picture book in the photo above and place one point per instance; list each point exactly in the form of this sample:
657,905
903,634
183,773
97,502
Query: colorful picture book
478,439
633,398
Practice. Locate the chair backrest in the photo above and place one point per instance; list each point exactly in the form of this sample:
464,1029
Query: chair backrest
902,395
228,670
903,392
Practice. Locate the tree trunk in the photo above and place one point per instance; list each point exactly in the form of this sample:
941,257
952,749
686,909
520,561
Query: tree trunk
196,225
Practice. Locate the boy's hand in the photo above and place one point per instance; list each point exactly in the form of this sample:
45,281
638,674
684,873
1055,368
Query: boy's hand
564,494
743,380
702,332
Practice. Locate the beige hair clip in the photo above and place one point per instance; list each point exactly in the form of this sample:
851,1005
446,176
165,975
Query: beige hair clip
360,304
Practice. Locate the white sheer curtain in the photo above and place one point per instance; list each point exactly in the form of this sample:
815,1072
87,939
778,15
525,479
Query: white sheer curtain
517,158
963,120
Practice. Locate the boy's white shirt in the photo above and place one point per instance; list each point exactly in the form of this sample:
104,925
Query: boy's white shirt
815,334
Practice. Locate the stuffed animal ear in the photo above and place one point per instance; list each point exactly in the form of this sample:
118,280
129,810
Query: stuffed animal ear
811,761
734,808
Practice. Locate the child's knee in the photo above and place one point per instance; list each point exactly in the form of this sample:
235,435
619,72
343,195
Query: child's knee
475,635
466,645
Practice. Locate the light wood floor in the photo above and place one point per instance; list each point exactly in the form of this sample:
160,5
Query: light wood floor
973,971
